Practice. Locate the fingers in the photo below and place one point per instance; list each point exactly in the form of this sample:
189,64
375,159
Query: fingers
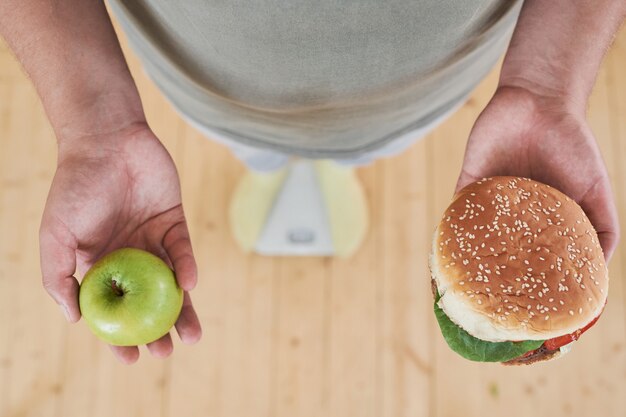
464,180
599,206
126,354
188,325
608,241
58,264
161,348
178,246
478,161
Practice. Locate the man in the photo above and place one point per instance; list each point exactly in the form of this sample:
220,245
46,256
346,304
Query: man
350,81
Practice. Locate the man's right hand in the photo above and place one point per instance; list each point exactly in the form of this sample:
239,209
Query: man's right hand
115,184
114,190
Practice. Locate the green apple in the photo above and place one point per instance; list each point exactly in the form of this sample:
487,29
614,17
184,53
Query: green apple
130,297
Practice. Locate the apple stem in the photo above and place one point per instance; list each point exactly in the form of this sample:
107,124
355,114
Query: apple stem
117,290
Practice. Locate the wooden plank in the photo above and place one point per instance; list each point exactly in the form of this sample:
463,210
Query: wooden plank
30,349
6,270
246,338
261,321
405,309
354,324
301,339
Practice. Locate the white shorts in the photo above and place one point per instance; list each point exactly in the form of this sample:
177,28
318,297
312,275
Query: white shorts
263,160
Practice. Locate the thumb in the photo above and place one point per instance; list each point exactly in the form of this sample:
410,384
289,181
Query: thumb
465,179
177,244
58,264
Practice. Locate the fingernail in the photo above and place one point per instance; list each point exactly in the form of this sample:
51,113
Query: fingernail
65,312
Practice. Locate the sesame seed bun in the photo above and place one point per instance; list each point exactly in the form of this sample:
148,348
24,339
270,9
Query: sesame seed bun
514,259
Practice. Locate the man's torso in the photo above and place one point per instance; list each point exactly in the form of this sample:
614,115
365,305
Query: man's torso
319,64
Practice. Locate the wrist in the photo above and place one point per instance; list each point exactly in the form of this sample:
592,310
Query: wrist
547,89
552,72
111,146
528,106
99,115
101,127
557,48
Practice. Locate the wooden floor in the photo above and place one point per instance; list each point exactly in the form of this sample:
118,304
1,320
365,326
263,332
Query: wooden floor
291,337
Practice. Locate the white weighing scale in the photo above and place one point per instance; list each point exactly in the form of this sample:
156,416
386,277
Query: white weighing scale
309,209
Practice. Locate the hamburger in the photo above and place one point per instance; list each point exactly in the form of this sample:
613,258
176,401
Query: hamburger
517,271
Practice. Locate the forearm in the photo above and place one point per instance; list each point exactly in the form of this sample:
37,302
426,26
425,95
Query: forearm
71,53
558,46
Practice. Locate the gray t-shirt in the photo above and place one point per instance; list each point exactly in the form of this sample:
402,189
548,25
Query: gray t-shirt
319,78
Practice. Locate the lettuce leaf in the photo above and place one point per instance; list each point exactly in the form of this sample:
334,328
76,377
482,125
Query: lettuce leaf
476,349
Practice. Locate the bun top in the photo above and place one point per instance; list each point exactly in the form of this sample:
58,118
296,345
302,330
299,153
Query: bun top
514,259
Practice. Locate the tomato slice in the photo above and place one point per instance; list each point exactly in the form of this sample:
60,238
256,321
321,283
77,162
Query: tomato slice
557,342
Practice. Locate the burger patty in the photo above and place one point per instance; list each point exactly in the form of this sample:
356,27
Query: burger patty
537,355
